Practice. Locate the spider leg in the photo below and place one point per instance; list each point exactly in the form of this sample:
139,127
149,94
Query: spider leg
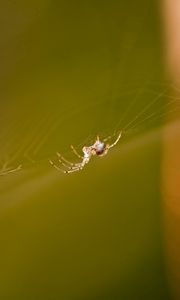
65,162
69,167
116,141
61,158
108,138
73,167
74,170
56,167
78,167
75,152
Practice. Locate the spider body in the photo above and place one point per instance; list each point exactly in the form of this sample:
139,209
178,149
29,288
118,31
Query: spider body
99,148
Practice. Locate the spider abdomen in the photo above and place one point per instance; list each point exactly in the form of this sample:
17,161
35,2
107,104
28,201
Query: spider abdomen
100,148
100,152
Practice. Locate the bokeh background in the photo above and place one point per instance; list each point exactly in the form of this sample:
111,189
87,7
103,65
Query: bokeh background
69,71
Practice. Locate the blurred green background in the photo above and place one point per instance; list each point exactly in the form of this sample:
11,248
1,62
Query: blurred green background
70,70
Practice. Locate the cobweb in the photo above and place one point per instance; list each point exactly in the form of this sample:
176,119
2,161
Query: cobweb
101,76
31,140
69,71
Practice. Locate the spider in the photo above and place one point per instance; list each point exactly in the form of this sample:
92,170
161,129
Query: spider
99,148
